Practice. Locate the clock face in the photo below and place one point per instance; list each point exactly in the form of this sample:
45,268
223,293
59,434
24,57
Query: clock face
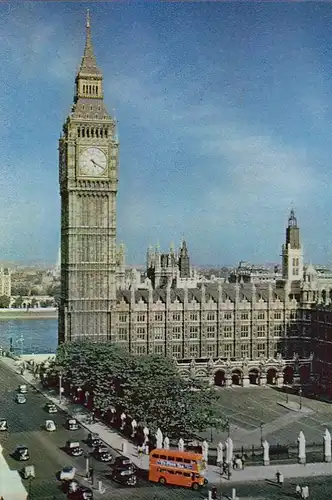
93,162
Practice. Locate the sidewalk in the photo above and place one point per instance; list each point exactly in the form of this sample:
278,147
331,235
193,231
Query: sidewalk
122,446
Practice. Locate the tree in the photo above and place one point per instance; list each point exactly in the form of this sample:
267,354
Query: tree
148,388
18,301
4,301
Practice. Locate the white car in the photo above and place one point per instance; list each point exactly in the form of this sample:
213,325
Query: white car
22,389
20,399
50,425
51,408
67,474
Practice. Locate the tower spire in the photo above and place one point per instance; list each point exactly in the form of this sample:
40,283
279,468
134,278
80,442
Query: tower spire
89,63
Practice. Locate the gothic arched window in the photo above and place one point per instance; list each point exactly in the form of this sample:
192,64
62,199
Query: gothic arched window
78,132
97,89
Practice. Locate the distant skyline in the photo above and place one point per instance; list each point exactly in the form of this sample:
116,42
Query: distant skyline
224,122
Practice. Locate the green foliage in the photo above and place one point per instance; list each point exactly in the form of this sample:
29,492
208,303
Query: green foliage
148,388
18,302
4,301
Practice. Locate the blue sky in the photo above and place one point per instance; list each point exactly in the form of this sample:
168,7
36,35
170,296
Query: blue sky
224,122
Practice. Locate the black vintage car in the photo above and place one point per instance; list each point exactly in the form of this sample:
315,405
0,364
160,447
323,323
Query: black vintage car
21,453
82,493
123,463
102,454
3,424
73,448
94,440
126,477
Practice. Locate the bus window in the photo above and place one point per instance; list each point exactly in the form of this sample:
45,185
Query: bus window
186,461
170,471
179,459
186,474
171,458
155,455
163,457
178,473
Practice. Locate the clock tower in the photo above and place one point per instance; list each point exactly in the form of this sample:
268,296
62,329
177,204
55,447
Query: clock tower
88,159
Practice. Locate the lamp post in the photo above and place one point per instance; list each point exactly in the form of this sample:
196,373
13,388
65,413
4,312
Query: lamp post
30,488
87,464
287,396
60,387
261,426
211,434
300,394
228,429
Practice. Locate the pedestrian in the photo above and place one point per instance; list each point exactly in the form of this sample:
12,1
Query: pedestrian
298,490
214,492
91,474
278,477
224,468
305,492
139,450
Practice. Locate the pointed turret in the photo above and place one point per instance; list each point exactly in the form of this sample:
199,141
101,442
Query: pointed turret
292,254
89,63
184,261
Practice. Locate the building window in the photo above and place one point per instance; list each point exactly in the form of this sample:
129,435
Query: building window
277,330
123,318
293,315
211,350
261,349
193,316
141,332
228,316
193,351
244,331
159,333
244,316
211,317
228,331
277,315
211,331
159,349
141,317
177,351
140,350
228,350
193,332
261,315
176,317
244,351
158,317
176,332
261,331
123,334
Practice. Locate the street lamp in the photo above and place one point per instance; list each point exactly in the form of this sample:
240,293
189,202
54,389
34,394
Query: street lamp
287,396
229,429
30,488
87,464
261,426
211,434
300,394
60,387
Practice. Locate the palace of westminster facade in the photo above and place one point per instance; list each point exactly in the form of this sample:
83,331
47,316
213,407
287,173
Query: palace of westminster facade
231,333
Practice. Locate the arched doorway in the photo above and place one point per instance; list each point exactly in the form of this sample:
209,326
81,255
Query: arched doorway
236,377
304,374
288,375
271,376
253,376
219,378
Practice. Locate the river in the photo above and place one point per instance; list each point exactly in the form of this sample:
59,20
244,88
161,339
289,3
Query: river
30,336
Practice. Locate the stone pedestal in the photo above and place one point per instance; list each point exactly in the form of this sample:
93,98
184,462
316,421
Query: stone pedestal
262,380
302,460
245,382
327,458
280,381
266,462
228,382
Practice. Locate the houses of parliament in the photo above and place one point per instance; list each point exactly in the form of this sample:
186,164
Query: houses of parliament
243,331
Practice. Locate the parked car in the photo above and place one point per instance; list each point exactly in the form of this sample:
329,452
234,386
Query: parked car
72,424
67,473
123,463
3,424
103,454
94,440
51,408
73,448
22,389
82,493
28,471
21,453
50,425
126,477
20,399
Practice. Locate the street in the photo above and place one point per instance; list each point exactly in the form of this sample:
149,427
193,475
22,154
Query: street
26,427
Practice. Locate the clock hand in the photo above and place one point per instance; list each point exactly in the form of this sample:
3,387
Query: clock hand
97,164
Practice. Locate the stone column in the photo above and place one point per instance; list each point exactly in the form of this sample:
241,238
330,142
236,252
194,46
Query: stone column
245,381
280,379
228,380
327,446
262,379
301,448
266,455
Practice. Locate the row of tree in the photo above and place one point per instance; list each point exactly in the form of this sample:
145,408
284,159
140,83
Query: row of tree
148,388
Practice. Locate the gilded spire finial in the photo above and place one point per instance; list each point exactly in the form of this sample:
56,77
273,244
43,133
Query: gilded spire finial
88,18
88,64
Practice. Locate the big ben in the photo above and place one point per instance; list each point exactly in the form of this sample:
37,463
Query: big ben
88,159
